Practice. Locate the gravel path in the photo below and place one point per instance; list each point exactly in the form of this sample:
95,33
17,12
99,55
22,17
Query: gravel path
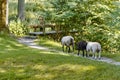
30,42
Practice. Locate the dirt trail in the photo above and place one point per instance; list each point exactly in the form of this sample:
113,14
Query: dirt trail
30,42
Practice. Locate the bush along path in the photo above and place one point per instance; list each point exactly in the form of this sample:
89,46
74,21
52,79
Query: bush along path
29,41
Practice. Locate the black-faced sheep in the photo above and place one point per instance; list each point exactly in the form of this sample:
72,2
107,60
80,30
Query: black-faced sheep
81,46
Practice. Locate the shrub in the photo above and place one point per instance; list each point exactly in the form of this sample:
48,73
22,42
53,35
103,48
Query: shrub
108,37
18,28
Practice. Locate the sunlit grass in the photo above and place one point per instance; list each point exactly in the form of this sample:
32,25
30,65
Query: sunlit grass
19,62
50,43
57,46
115,56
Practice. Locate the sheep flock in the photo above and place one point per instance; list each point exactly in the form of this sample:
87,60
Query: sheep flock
86,47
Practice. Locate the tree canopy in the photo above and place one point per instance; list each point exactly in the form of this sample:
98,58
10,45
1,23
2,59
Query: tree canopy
95,20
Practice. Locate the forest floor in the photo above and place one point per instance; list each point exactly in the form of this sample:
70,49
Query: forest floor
30,42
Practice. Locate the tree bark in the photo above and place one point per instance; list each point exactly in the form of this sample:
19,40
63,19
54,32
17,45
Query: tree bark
21,7
7,12
3,9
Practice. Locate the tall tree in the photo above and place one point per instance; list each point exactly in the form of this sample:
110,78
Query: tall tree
21,7
3,8
7,9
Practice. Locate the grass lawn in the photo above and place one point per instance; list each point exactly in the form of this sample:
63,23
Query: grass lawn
19,62
57,46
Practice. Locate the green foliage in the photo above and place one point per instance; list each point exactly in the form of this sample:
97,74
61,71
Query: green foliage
18,28
108,37
90,19
114,16
75,14
95,20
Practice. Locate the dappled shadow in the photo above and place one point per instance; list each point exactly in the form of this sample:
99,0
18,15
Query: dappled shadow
8,44
46,65
18,62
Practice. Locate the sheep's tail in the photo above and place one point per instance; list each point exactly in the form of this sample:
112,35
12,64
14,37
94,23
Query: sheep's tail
99,51
72,41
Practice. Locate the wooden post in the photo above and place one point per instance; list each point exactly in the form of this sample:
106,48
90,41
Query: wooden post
42,23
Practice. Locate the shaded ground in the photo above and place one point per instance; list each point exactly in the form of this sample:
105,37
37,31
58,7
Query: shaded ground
29,41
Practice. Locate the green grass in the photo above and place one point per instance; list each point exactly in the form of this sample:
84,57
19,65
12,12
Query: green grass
43,41
19,62
114,56
57,46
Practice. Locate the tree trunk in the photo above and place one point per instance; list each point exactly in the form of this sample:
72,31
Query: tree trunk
3,6
7,9
21,8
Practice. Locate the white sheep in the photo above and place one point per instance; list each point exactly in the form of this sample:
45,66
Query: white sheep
67,41
95,48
